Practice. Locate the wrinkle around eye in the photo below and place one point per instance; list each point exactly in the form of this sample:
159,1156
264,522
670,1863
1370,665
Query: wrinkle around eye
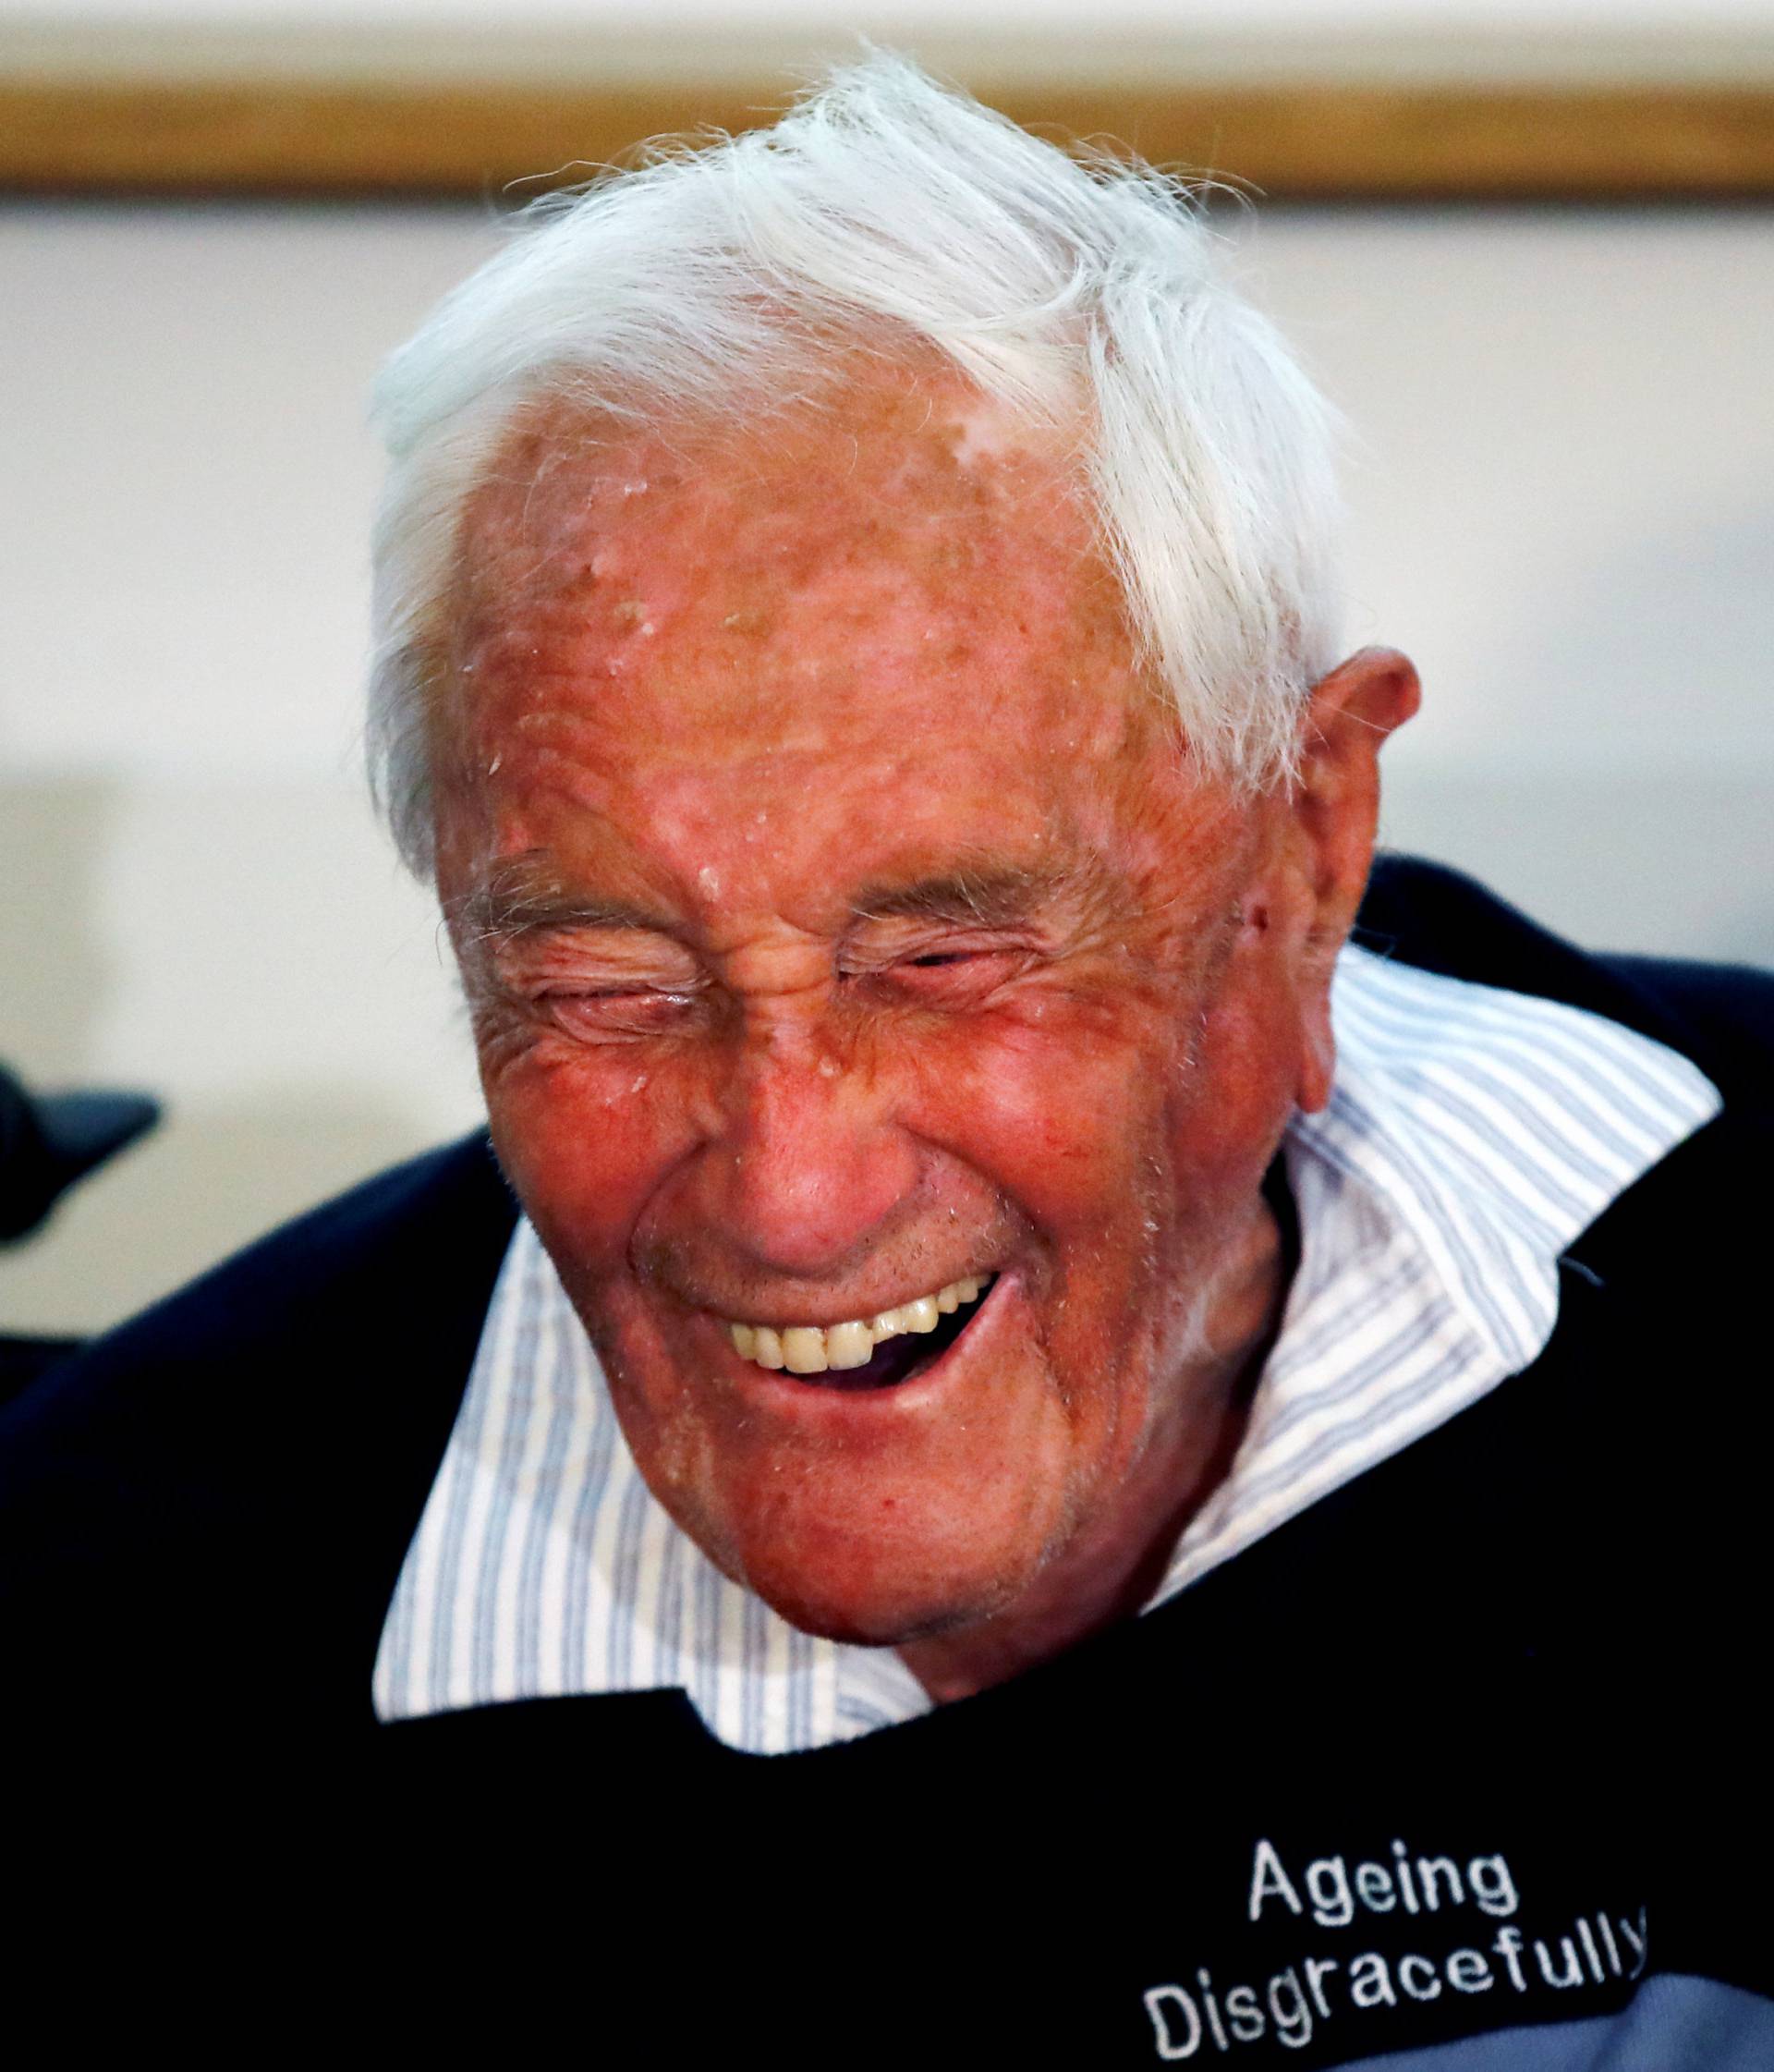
607,1013
940,976
588,960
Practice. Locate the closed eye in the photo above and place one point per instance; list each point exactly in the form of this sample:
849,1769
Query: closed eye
960,977
602,1014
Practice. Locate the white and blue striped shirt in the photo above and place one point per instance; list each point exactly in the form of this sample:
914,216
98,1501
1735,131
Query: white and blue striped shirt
1472,1134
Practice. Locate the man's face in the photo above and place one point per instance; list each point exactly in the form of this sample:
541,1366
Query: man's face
842,924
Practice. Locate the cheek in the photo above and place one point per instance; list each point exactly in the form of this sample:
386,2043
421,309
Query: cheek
1062,1108
1235,1103
1131,1138
585,1141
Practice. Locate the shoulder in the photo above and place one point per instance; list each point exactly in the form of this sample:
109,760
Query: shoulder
1660,1297
1675,1246
252,1446
430,1222
1719,1016
1642,1437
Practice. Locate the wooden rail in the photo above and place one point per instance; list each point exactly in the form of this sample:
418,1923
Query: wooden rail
1393,143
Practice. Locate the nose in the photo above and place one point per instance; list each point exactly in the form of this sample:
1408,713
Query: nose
809,1166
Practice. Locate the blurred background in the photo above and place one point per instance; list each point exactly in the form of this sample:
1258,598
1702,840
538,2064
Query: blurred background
1526,249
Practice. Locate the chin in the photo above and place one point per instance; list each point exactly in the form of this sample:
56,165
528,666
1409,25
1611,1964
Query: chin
933,1564
889,1613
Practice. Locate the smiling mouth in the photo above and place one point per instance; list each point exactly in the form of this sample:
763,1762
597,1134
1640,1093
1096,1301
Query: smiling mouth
872,1353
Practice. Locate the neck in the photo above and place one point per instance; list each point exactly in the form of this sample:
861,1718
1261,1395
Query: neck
1110,1571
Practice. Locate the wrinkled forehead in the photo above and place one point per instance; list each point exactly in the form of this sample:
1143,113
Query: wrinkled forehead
801,599
900,484
885,621
898,430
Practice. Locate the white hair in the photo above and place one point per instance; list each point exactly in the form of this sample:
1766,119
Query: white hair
1074,288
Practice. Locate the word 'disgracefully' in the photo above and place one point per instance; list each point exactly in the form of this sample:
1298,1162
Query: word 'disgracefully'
1601,1948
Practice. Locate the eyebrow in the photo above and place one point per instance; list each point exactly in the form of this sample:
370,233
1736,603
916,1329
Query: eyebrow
993,898
519,899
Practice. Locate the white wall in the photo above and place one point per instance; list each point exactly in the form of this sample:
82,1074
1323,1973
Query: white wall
604,40
1564,506
1172,15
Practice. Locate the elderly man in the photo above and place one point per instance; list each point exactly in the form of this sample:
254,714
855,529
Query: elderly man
1180,1435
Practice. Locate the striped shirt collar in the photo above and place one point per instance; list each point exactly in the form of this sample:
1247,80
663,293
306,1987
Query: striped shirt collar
1471,1136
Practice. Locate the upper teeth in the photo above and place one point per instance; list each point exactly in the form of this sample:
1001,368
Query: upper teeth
810,1348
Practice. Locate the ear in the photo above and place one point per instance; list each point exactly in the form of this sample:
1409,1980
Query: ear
1334,807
